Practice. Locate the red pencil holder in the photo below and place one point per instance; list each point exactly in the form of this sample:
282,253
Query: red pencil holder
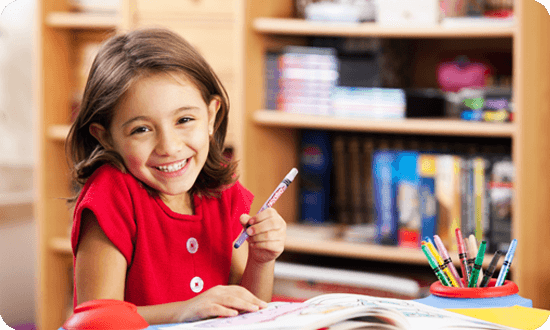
505,295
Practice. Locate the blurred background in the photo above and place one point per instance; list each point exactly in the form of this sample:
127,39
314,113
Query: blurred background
405,119
18,231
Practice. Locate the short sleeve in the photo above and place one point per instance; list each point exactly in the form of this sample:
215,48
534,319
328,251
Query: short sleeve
241,200
107,193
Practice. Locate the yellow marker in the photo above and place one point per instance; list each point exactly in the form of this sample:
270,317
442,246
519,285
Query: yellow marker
443,266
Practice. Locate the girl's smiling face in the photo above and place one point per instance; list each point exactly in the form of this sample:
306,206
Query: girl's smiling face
162,128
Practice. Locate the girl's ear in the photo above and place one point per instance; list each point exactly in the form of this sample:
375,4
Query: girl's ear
213,108
101,135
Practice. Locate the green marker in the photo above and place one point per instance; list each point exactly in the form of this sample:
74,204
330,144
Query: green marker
477,265
435,267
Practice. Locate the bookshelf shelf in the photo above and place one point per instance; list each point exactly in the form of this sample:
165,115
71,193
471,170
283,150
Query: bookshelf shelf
293,26
337,247
58,132
61,245
448,127
82,20
16,198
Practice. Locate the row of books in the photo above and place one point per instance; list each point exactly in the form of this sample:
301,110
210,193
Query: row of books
406,194
306,80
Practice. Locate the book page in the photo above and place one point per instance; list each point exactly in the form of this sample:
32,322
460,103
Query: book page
281,315
330,309
408,314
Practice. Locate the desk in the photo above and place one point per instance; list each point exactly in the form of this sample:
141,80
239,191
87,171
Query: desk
524,318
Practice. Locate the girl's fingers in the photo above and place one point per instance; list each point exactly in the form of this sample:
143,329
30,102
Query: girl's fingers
218,310
244,219
273,246
265,225
240,304
267,236
239,298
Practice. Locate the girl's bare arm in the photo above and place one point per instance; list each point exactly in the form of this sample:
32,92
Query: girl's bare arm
100,273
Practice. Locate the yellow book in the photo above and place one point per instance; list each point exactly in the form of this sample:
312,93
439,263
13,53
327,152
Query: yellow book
516,316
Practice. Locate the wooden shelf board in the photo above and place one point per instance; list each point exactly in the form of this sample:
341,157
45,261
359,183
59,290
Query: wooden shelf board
58,132
82,20
16,198
426,126
61,245
367,251
294,26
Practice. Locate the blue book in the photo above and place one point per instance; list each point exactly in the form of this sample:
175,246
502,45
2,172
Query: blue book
428,202
315,166
384,197
407,183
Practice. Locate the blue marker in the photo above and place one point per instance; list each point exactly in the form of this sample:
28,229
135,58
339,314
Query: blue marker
507,262
429,240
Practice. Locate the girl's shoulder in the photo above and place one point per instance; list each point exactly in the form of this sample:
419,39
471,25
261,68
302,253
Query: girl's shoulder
237,199
237,190
109,177
109,172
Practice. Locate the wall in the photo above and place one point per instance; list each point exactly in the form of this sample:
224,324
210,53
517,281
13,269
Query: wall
17,226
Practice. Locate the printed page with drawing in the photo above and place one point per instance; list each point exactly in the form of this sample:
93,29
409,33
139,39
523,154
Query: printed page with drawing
344,311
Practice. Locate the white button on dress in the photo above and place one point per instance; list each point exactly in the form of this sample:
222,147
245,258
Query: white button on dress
197,284
192,245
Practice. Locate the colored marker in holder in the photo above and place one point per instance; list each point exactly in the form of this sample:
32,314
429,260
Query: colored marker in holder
442,265
463,256
447,259
477,265
435,267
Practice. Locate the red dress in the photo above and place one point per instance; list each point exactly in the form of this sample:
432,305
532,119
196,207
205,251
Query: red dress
170,256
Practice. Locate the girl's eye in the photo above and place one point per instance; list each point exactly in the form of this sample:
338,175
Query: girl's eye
184,120
141,129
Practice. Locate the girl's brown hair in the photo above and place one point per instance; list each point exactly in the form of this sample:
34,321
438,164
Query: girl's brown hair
121,61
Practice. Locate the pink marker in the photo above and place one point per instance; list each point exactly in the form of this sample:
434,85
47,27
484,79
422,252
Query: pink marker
463,256
269,203
447,259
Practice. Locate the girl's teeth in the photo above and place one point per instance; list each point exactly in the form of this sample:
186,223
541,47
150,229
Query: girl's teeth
172,168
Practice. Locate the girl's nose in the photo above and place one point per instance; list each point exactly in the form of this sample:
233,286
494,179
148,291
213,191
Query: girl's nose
168,143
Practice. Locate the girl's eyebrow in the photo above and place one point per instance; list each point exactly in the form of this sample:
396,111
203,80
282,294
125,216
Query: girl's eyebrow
187,108
135,119
177,111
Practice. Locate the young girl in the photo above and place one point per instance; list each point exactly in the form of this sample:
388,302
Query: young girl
160,206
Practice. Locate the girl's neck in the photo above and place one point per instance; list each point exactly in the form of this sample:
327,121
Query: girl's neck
182,204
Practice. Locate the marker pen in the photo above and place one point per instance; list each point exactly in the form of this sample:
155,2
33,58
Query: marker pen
269,203
477,265
463,256
491,269
442,265
447,259
429,240
507,262
472,248
433,265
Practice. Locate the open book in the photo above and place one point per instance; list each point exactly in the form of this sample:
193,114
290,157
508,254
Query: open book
342,312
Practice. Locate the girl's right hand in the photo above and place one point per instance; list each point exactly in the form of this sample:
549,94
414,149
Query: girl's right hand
221,300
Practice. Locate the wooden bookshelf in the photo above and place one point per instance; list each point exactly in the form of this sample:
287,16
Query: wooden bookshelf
272,138
16,198
82,20
294,26
58,132
338,247
61,245
273,118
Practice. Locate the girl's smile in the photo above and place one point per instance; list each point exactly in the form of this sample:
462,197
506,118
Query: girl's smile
162,129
